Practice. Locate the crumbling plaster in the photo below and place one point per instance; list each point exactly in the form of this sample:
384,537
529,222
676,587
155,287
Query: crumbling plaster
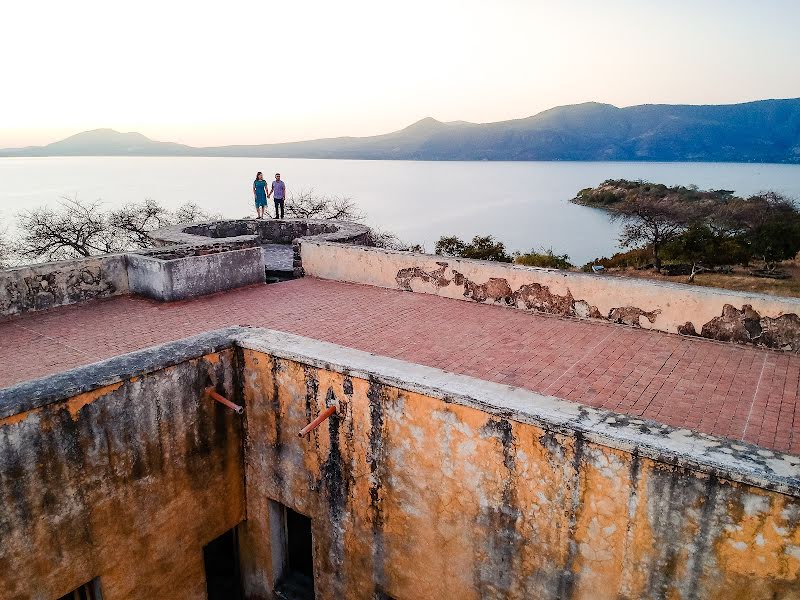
763,320
47,285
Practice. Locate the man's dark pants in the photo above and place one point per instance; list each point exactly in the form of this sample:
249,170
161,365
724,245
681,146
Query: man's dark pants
278,204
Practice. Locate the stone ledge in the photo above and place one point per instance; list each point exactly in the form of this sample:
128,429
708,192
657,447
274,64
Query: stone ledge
240,231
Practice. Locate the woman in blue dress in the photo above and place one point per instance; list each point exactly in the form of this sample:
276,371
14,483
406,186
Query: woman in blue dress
260,194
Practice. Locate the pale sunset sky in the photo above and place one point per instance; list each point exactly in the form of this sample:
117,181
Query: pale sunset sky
212,73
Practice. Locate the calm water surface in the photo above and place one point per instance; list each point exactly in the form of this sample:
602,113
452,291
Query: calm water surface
524,204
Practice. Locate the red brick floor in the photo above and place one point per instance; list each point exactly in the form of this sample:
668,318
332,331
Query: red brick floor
738,392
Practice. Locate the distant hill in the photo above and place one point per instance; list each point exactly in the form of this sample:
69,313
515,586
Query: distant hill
762,131
103,142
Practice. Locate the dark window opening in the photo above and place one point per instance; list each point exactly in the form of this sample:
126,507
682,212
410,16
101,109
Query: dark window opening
221,559
295,569
88,591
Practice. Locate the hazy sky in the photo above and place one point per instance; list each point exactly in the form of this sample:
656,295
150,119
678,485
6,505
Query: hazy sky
208,73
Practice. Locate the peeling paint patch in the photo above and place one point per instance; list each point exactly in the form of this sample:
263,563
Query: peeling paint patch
18,418
630,315
74,405
436,277
530,296
747,326
539,297
495,289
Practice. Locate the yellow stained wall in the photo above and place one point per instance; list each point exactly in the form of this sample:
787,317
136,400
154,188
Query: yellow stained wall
412,497
126,483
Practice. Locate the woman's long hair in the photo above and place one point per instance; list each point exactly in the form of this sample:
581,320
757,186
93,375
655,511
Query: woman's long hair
259,174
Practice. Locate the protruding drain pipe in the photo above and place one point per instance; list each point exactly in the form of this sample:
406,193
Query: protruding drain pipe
316,422
222,400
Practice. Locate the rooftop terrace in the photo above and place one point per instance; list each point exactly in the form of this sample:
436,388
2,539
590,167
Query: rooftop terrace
740,392
490,430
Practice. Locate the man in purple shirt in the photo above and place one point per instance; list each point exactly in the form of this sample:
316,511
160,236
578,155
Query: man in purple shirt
278,193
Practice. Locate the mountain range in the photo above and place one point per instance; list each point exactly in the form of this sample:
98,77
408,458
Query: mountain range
763,131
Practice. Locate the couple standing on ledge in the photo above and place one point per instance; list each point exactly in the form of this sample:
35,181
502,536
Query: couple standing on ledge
277,191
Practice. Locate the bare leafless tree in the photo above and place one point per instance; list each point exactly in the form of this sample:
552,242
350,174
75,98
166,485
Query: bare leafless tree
307,204
76,228
73,229
380,238
132,225
192,212
767,223
5,250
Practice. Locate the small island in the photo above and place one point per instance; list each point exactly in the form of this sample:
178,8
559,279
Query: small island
612,192
714,236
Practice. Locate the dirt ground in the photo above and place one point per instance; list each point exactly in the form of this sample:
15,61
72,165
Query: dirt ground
738,280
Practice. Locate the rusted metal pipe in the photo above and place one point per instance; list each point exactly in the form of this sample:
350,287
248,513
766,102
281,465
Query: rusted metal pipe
223,400
316,422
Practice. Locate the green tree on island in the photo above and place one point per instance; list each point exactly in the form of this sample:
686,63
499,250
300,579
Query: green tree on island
480,248
652,221
705,228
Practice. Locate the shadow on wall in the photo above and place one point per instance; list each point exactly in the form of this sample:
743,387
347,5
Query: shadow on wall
125,482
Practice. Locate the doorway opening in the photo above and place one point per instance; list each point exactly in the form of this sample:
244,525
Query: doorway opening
88,591
223,575
292,553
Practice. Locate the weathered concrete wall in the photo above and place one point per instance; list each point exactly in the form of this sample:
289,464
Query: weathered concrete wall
47,285
718,314
425,484
267,231
126,481
180,277
432,485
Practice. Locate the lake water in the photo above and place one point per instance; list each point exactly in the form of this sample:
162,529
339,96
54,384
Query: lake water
524,204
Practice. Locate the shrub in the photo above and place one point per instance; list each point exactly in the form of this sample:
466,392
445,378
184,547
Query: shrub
545,258
480,248
636,258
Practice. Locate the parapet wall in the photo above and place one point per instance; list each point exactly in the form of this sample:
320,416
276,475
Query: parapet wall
122,470
712,313
168,279
47,285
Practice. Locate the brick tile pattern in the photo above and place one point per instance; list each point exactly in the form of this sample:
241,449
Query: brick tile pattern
734,391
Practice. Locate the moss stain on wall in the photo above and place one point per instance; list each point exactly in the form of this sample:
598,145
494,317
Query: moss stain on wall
412,496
